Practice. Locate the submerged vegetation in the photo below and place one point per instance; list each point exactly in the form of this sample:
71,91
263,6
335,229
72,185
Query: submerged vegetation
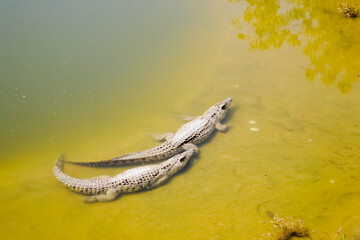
287,228
348,10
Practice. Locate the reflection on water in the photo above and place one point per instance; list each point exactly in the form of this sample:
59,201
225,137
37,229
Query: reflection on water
326,37
97,79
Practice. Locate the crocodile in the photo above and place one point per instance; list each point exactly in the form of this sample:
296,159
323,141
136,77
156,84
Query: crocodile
195,131
106,188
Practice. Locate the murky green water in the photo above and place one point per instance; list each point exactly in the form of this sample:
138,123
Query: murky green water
97,79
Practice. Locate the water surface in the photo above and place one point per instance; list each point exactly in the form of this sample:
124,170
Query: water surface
97,79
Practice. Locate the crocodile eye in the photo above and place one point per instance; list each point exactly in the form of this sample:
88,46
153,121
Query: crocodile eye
182,159
224,107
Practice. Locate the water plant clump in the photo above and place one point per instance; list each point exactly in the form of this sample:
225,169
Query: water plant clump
348,10
288,227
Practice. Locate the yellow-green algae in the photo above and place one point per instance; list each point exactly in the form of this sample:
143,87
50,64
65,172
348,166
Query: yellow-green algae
303,161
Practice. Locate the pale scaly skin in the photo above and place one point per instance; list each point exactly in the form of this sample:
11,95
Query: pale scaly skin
105,188
187,136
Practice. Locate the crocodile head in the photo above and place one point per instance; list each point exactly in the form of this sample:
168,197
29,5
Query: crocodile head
177,162
218,111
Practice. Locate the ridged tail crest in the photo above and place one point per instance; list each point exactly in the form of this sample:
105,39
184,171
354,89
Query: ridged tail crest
60,161
108,163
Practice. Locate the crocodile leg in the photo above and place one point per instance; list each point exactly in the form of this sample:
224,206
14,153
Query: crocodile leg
221,127
110,195
188,118
189,146
159,181
165,136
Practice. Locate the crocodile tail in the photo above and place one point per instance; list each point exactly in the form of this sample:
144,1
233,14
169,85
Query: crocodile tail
107,163
60,161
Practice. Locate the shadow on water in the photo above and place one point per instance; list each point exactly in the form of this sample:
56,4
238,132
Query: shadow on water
229,115
326,37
